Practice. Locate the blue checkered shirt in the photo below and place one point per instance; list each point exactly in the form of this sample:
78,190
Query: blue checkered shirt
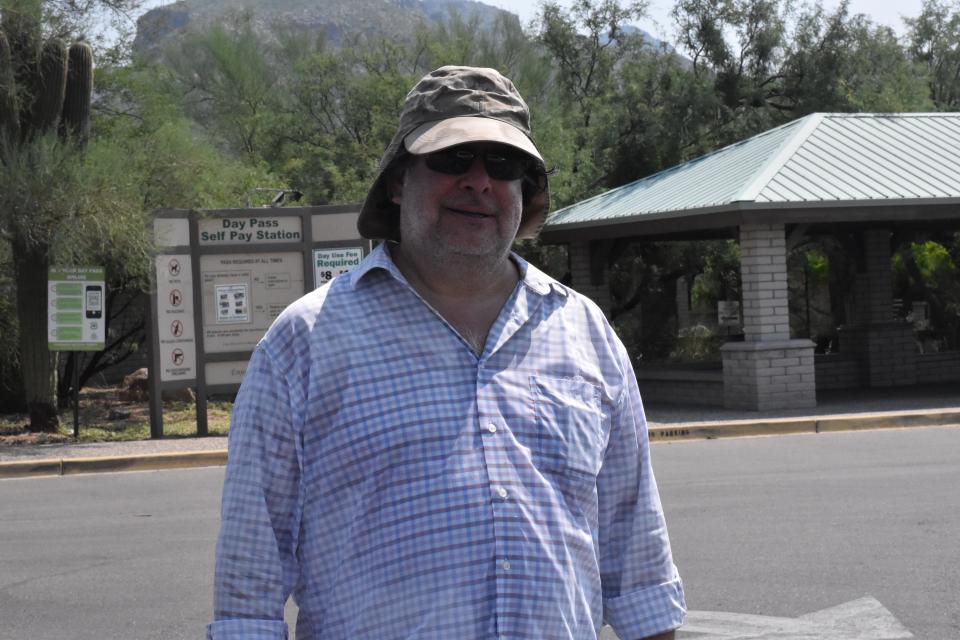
400,486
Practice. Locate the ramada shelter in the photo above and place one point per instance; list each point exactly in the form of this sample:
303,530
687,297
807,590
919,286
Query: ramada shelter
869,175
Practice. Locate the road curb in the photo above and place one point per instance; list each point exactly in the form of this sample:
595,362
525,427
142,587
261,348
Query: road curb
784,426
665,433
145,462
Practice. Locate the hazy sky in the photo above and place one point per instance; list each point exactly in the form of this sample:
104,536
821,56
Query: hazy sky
659,24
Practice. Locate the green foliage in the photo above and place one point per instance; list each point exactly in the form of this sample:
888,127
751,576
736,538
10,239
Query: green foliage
698,343
157,156
818,264
717,274
933,261
840,62
814,297
228,82
336,120
586,43
933,42
926,270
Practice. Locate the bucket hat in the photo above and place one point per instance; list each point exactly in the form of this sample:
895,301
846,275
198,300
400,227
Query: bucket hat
450,106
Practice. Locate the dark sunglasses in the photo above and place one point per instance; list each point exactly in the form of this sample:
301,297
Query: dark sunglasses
501,164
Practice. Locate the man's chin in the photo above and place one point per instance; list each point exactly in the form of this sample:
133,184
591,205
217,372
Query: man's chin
482,258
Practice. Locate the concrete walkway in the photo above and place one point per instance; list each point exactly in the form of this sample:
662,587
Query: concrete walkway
836,411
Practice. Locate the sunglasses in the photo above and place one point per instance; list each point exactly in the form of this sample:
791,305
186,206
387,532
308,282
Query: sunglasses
500,164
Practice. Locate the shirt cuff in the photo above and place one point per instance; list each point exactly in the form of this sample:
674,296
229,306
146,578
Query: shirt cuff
648,611
247,629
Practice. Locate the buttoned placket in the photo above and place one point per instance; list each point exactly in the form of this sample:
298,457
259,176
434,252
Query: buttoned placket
496,439
494,433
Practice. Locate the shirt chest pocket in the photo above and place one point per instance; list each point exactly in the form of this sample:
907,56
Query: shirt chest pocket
569,424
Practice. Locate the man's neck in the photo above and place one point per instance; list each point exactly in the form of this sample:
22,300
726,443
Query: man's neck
467,294
456,277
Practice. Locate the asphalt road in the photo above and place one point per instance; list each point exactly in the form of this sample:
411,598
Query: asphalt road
787,526
781,526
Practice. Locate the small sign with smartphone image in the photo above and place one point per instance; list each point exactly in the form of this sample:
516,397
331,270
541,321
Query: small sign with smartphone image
93,305
75,317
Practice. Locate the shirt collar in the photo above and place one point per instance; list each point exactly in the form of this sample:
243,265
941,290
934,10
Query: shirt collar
379,259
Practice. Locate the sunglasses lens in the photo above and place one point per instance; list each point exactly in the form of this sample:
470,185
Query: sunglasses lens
504,167
455,162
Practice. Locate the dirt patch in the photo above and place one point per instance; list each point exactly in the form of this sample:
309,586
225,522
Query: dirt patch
101,408
108,415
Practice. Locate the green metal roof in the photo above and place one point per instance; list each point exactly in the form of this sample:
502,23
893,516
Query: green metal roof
821,160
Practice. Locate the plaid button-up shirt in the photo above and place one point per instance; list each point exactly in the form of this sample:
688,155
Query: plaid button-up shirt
400,486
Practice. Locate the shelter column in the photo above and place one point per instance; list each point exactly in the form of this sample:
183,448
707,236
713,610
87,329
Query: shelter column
589,274
768,370
886,346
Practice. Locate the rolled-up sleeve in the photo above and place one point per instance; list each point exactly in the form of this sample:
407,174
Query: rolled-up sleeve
256,567
642,591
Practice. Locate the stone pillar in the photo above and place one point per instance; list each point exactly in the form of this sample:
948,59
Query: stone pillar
763,283
588,274
885,346
768,370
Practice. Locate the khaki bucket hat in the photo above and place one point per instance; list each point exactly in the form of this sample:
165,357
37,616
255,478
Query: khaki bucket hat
451,106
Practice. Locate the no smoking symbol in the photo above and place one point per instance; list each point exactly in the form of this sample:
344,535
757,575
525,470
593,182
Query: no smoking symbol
177,357
174,267
176,328
176,298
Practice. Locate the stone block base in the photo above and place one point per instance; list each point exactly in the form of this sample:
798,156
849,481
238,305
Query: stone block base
769,375
887,350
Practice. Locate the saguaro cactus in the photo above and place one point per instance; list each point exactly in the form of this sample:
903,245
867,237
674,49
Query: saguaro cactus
50,85
44,87
9,109
75,121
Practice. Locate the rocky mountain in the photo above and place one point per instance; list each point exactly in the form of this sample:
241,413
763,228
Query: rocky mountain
162,26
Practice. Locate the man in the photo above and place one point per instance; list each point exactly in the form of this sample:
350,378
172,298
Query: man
445,442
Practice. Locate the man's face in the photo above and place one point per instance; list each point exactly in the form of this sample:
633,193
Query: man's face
445,215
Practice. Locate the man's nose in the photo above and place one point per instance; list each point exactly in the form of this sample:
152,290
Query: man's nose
476,177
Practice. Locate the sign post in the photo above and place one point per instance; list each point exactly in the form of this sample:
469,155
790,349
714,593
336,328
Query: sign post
75,318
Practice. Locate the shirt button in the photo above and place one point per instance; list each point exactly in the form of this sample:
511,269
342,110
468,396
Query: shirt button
506,565
502,493
492,428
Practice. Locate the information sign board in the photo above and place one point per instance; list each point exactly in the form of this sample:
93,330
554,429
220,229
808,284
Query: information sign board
329,263
224,278
728,313
243,294
76,320
178,345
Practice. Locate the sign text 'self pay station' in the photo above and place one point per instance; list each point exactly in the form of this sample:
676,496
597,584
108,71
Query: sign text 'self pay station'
222,277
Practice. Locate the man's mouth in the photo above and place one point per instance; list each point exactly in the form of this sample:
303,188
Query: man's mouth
479,215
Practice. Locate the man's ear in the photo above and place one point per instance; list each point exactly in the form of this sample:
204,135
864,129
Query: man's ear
395,186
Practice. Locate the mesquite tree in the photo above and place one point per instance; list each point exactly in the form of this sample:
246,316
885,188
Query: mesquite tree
45,92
